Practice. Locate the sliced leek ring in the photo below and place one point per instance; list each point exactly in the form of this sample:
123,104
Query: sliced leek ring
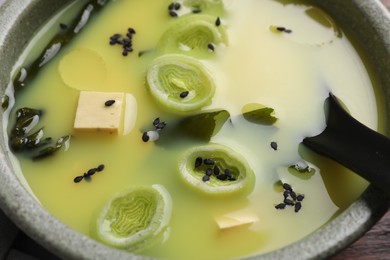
136,219
173,74
224,158
192,34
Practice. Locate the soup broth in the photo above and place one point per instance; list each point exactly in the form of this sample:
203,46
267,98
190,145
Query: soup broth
284,56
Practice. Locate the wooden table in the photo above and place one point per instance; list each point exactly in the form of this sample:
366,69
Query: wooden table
374,245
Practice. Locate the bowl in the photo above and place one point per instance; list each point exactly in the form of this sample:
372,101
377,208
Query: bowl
368,23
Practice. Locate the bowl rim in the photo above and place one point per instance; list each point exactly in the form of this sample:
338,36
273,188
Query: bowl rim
32,218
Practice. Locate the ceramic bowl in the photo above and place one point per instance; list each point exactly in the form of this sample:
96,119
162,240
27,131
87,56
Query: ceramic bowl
369,25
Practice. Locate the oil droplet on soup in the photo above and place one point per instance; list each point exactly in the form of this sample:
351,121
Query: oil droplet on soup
284,58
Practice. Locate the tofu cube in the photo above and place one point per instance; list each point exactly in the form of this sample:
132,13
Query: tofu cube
235,220
93,114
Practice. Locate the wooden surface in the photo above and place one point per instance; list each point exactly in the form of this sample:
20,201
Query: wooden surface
374,245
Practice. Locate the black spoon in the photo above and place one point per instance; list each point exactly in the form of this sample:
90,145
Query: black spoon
353,145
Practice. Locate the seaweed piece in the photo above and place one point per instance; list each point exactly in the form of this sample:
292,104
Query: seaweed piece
21,140
49,151
5,102
203,126
26,120
200,127
27,73
20,143
259,114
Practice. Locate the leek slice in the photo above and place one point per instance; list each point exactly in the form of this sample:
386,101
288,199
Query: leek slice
224,158
172,74
192,34
136,219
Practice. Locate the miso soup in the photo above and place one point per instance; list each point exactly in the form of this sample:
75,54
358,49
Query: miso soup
178,124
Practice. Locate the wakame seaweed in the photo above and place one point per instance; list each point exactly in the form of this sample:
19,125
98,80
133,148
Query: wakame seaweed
34,145
261,116
200,127
65,35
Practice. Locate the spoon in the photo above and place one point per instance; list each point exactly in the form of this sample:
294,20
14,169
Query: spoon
354,145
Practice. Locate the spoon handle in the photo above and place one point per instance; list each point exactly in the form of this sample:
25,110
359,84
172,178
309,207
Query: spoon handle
354,145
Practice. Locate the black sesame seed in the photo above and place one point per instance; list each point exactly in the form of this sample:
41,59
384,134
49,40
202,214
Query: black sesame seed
218,22
228,172
173,14
91,171
115,36
156,121
222,177
283,29
216,170
87,177
78,179
171,6
297,207
274,145
196,11
300,197
126,41
198,162
145,137
100,168
184,94
177,6
209,162
286,194
209,172
131,31
280,206
128,49
293,195
211,47
287,186
109,103
232,178
161,125
288,202
205,178
115,39
125,53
